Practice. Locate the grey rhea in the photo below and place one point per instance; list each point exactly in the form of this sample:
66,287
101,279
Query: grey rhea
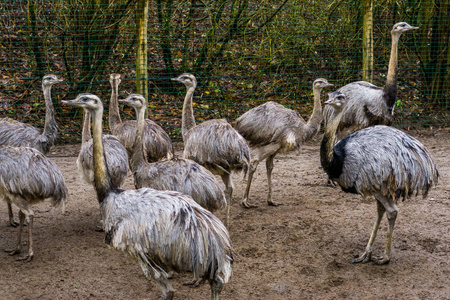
17,134
378,161
361,94
157,141
176,174
272,128
161,230
115,152
28,177
214,144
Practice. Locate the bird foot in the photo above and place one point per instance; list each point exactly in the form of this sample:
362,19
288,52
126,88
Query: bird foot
14,223
245,204
194,283
330,183
381,260
26,258
272,203
99,228
364,257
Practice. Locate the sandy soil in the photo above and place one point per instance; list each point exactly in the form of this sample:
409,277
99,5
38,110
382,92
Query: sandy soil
300,250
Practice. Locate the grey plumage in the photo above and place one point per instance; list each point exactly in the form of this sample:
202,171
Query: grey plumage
162,230
157,141
378,101
17,134
176,174
272,128
28,177
214,144
115,152
378,161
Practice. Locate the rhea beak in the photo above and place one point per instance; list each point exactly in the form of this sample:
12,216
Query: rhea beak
70,102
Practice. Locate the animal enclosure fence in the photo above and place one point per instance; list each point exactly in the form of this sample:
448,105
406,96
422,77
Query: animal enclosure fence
243,53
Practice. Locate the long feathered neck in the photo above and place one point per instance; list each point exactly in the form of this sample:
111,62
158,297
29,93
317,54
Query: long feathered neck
50,128
188,120
114,114
312,127
86,132
390,89
102,181
327,145
138,157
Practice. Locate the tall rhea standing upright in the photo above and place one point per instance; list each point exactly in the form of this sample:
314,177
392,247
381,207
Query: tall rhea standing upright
17,134
214,144
177,174
115,152
157,141
162,230
379,101
378,161
28,177
271,129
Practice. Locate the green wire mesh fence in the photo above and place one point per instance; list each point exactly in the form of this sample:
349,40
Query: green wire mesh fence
243,53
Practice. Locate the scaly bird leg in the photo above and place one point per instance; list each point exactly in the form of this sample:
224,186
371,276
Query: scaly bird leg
269,167
216,287
366,256
19,237
227,180
252,170
12,222
30,255
391,214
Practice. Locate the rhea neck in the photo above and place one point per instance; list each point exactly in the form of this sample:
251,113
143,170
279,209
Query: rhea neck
102,181
312,127
138,158
327,144
86,132
391,81
50,127
114,114
188,120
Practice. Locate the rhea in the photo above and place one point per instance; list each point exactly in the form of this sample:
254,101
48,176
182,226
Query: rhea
115,152
378,161
271,129
157,141
161,230
176,174
379,101
28,177
17,134
214,144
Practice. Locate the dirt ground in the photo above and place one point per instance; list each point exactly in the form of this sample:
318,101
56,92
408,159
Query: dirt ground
300,250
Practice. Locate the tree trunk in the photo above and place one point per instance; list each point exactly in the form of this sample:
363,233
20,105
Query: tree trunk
34,41
367,42
141,47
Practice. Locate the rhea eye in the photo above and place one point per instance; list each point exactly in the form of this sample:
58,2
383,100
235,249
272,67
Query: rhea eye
84,99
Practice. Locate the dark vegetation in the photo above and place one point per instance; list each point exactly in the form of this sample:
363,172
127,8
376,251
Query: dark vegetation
242,52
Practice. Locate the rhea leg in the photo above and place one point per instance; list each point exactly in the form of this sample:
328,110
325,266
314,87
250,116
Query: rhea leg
12,222
19,237
367,254
253,166
216,288
391,214
160,278
269,167
228,181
